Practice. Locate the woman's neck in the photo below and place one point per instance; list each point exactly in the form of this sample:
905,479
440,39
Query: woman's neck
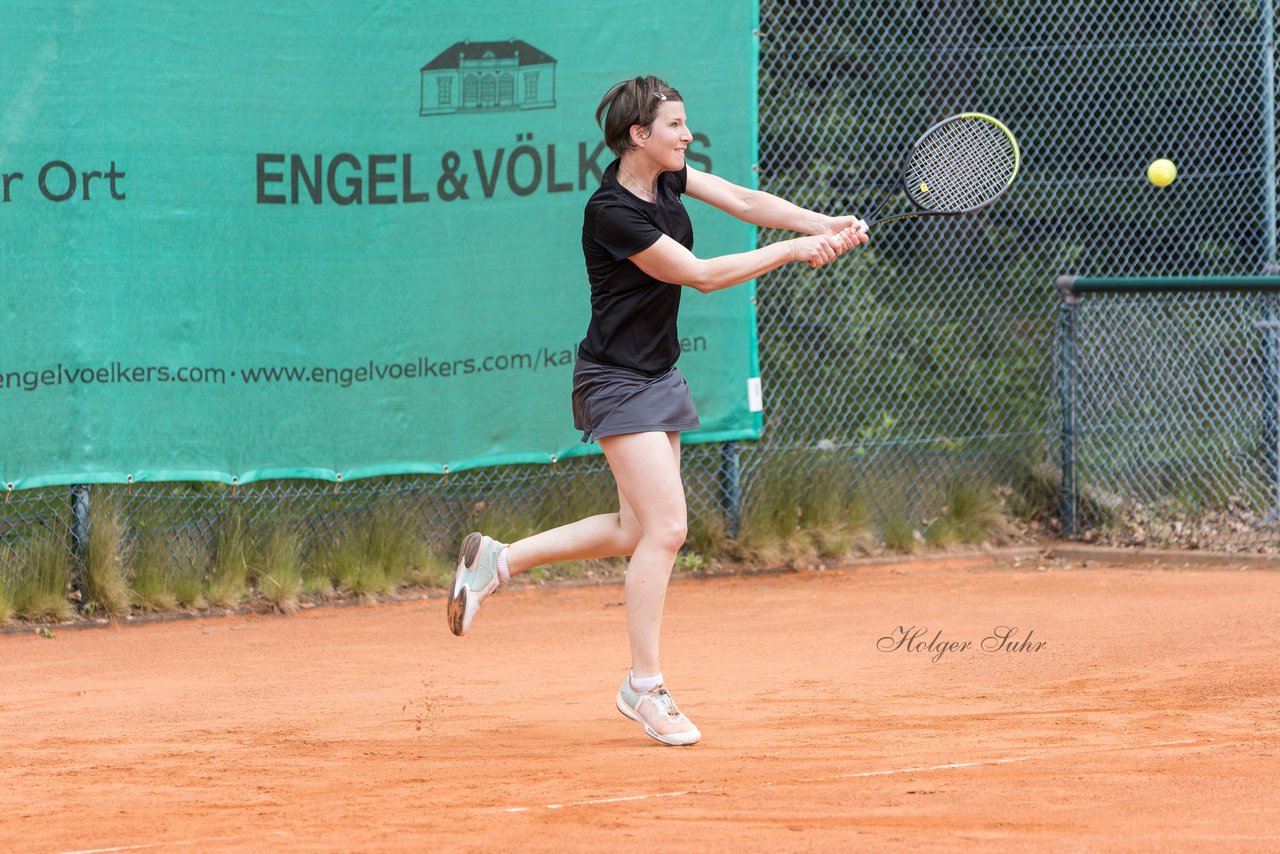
639,179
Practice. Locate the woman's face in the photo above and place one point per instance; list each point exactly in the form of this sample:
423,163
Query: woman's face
667,138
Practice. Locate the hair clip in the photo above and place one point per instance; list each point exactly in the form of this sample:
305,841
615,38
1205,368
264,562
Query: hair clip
660,96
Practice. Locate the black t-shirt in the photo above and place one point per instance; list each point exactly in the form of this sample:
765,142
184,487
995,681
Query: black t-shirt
633,316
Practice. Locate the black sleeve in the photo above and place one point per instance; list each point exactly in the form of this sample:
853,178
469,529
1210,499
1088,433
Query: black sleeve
623,231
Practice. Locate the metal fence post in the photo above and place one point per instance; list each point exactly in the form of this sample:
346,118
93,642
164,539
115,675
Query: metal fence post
1066,394
1271,405
1270,326
1268,125
730,488
80,522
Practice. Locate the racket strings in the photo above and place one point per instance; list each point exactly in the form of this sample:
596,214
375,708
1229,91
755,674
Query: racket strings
961,165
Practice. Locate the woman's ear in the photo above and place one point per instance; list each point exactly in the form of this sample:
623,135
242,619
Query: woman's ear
639,136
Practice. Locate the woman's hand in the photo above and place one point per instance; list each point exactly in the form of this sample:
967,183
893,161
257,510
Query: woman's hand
835,224
820,249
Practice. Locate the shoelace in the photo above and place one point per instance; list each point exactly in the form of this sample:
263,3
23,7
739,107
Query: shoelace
665,703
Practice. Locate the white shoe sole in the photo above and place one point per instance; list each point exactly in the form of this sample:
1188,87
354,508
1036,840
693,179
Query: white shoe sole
458,592
682,740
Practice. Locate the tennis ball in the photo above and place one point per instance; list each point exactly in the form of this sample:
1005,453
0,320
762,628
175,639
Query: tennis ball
1162,172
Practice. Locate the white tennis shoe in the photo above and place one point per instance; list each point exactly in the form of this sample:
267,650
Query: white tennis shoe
658,713
476,578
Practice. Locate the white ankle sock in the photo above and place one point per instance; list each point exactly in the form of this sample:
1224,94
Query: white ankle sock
645,685
504,575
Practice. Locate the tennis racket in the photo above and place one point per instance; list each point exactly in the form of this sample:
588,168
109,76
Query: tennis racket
960,165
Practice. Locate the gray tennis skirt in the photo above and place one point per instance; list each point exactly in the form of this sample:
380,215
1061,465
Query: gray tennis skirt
612,401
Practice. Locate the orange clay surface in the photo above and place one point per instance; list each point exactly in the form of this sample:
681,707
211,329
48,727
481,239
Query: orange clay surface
1147,720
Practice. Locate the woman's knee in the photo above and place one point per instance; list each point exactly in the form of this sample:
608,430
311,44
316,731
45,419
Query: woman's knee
667,533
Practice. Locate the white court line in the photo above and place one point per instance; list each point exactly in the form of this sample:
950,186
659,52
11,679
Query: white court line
597,801
859,774
1005,761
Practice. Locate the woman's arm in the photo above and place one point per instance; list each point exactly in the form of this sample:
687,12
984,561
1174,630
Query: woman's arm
760,208
668,261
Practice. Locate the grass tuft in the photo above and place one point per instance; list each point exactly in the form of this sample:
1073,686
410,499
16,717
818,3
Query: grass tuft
433,570
7,581
797,513
379,552
105,576
707,534
1036,494
277,566
899,535
226,586
393,545
350,568
192,565
941,533
44,573
316,582
150,576
973,515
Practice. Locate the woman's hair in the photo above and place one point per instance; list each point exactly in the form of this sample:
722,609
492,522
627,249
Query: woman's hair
631,102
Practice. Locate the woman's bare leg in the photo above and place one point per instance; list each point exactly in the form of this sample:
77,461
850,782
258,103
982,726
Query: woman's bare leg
650,526
647,469
606,535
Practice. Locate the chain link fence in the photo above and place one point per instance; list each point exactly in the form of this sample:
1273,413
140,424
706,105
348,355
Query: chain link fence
931,356
1170,411
934,354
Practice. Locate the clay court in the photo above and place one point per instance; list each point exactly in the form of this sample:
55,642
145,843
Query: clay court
1148,718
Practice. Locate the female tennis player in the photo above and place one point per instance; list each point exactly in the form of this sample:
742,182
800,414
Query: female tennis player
628,394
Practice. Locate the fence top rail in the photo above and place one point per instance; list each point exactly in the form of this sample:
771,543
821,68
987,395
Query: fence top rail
1071,287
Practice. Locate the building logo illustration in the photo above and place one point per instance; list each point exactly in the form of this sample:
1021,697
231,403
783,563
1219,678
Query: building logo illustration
483,77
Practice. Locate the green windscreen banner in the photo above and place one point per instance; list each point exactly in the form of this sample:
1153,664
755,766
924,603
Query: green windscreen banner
248,240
